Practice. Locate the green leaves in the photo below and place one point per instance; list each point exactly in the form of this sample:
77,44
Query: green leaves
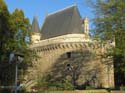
14,28
22,27
109,17
110,25
110,22
44,83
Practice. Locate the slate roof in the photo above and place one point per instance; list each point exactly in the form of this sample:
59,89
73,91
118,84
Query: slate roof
35,25
66,21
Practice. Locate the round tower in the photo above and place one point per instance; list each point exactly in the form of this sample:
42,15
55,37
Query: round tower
35,38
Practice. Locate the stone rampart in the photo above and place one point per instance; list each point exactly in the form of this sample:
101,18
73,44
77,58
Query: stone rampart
51,50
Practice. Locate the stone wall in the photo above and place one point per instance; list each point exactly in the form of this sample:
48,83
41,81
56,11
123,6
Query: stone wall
53,58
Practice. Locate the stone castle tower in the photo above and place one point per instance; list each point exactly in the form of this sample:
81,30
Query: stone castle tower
64,43
35,38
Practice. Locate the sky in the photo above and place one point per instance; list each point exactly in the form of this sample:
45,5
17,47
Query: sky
42,7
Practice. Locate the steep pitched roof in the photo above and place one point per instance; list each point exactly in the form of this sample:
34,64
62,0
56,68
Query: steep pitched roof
35,25
66,21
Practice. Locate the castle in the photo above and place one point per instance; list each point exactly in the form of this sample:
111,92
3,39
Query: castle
67,51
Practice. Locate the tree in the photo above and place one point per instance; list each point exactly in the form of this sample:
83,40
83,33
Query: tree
76,72
4,30
14,31
110,25
5,38
22,33
21,38
21,27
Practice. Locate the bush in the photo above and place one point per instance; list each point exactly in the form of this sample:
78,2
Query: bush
68,85
5,91
122,87
89,88
44,84
23,90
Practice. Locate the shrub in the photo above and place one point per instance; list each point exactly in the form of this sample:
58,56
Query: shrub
44,84
122,87
89,88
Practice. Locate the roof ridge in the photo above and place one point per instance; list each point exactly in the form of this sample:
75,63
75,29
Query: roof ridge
72,6
50,14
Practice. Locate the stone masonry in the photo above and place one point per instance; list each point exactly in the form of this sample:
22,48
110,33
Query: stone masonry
72,44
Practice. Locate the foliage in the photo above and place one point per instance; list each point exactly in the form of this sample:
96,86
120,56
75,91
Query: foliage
108,18
122,87
14,34
5,91
109,24
45,83
4,30
89,88
23,90
78,75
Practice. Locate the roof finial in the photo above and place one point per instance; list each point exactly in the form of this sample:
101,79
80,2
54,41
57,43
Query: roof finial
47,13
35,16
86,26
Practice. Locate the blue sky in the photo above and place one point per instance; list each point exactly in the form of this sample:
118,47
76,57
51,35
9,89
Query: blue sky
42,7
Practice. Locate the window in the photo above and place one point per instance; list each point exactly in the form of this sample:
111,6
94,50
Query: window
68,54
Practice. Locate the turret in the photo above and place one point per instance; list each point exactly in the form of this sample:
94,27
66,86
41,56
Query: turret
86,26
35,38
